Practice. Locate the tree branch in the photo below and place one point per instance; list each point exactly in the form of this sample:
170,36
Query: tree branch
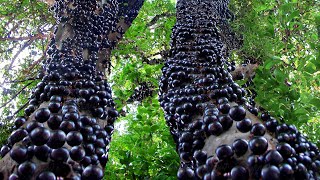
14,96
160,16
37,36
20,81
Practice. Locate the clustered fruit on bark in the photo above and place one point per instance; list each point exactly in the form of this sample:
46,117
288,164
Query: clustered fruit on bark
141,92
217,131
68,124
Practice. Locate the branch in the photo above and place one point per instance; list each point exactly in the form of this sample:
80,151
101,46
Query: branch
160,16
25,45
20,81
13,97
22,107
37,36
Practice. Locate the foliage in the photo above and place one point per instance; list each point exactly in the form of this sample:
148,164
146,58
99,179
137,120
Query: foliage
145,149
283,37
25,28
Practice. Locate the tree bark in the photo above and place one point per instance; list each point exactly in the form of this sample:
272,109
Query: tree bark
68,124
217,132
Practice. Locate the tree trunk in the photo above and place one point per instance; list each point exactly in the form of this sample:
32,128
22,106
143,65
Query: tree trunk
217,132
67,127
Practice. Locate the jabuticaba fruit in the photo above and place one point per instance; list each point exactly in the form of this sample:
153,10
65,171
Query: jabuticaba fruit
68,124
218,135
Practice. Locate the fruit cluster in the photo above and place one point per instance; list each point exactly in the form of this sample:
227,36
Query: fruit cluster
143,91
68,124
217,132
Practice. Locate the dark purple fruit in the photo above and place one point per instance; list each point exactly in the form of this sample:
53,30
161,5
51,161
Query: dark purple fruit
301,172
224,152
19,154
239,173
270,173
67,126
244,125
201,171
92,173
271,125
200,156
46,175
17,135
57,139
258,145
54,121
225,121
14,176
237,113
60,154
215,128
77,153
286,172
19,121
240,147
4,150
32,125
74,138
211,162
42,115
273,157
54,107
42,152
39,136
224,108
258,129
185,173
26,169
284,149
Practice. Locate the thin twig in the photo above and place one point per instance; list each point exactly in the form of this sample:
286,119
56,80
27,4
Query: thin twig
20,81
37,36
14,96
23,106
25,45
159,16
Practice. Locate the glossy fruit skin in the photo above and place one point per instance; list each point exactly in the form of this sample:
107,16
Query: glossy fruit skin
224,152
273,157
239,173
286,172
39,136
60,154
258,129
270,173
244,125
26,169
57,139
258,145
92,173
284,149
42,115
240,147
46,175
77,153
42,152
185,174
4,150
74,138
19,154
237,113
